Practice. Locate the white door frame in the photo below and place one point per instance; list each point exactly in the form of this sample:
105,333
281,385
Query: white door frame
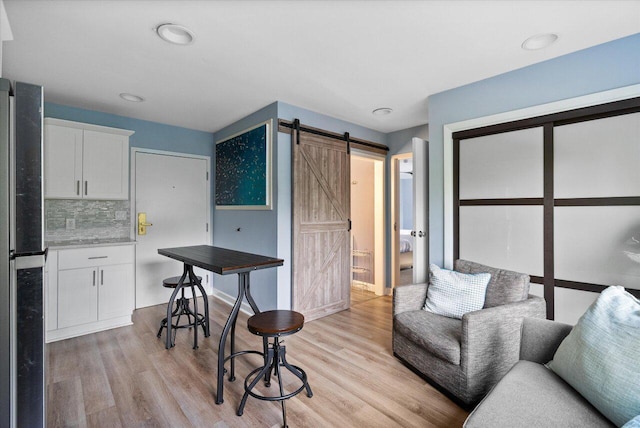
132,190
379,221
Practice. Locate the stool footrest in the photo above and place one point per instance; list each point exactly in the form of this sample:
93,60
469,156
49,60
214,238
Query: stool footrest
237,354
275,397
183,309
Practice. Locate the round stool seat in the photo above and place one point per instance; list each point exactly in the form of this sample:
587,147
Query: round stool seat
174,280
275,323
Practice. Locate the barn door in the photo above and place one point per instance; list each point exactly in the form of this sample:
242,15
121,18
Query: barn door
321,210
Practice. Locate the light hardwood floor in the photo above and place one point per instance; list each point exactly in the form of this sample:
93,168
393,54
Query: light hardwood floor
125,378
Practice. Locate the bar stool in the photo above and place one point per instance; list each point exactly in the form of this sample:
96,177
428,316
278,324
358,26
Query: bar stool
183,308
274,325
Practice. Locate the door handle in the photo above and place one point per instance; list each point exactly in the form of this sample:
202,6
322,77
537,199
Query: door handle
142,224
421,234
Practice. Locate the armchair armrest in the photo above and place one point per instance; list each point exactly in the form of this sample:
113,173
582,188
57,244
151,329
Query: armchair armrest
541,338
491,339
409,298
477,325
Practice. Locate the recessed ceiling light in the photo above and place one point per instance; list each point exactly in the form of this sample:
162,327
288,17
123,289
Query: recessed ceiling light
131,97
176,34
383,111
539,41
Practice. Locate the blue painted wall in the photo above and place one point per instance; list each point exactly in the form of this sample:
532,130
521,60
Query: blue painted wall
148,135
400,141
608,66
258,229
317,120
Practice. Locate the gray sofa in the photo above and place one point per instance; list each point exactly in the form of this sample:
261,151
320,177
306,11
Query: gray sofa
466,357
530,395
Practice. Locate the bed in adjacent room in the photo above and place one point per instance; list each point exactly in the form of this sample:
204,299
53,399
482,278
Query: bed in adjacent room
406,249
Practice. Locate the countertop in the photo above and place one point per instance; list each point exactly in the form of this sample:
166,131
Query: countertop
85,243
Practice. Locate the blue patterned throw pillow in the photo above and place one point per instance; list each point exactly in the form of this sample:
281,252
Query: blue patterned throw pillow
600,358
453,294
633,423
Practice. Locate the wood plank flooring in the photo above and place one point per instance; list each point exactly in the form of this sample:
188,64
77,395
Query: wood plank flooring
125,378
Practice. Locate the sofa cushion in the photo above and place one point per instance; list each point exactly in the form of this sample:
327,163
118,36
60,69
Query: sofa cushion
600,357
504,287
530,395
437,334
454,294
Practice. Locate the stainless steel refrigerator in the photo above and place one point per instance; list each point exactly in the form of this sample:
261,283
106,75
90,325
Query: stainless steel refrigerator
22,257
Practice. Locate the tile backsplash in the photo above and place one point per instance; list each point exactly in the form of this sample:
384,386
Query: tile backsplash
93,219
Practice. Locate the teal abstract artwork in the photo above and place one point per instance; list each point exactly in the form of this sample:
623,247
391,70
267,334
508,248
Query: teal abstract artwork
242,168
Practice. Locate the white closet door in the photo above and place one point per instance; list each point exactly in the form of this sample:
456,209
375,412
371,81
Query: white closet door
421,210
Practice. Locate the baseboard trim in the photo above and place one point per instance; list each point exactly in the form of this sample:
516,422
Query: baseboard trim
81,330
231,300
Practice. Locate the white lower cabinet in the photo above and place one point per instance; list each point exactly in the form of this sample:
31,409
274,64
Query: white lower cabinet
115,282
95,290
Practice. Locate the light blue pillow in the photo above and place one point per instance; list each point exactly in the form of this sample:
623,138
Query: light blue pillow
453,294
633,423
600,358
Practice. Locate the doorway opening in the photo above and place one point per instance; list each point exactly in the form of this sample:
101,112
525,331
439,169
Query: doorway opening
367,226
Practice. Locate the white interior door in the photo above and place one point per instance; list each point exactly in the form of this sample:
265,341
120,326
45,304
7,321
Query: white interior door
421,210
173,190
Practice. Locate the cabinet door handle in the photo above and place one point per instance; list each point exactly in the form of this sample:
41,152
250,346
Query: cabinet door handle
78,187
94,278
86,186
98,257
101,277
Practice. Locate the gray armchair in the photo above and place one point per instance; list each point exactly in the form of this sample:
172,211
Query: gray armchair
465,357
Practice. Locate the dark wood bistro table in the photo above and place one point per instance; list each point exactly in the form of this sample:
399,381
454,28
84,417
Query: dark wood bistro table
223,262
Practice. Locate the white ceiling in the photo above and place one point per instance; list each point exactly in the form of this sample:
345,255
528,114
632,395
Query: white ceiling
339,58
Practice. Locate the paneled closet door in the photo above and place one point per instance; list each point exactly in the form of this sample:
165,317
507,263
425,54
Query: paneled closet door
597,188
501,183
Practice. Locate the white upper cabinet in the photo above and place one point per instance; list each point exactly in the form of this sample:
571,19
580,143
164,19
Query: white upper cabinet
105,160
83,161
62,162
